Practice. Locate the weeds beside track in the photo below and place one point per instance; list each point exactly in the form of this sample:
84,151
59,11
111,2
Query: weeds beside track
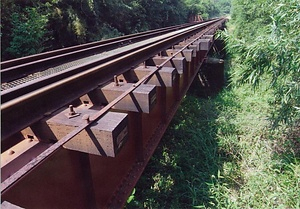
221,152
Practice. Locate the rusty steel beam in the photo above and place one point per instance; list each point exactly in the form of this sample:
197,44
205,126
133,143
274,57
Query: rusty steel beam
31,107
65,139
10,70
35,57
40,56
120,196
110,180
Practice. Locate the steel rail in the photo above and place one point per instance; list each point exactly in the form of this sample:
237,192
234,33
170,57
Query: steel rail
47,153
27,109
23,60
25,88
20,71
18,68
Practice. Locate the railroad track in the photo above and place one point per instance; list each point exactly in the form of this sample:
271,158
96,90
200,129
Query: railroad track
51,81
10,70
12,97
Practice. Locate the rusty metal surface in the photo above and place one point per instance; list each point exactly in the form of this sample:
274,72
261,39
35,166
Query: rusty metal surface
39,57
31,107
104,137
47,153
90,181
187,53
24,60
35,63
178,63
142,99
8,205
165,76
150,145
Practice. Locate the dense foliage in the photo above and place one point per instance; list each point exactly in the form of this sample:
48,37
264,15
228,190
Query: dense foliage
265,44
31,26
219,153
223,152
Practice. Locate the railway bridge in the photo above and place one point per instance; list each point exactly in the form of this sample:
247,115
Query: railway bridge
80,124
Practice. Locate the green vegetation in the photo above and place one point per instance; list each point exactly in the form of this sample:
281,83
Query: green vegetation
28,31
265,45
221,153
241,148
31,26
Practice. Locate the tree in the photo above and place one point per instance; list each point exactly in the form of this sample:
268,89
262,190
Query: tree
32,26
28,30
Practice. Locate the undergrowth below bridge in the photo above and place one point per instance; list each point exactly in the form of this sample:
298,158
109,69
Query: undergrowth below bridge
221,152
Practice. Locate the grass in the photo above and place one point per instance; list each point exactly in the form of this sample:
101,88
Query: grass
220,152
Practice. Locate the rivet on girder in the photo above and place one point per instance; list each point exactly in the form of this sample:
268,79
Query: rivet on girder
72,113
71,110
116,80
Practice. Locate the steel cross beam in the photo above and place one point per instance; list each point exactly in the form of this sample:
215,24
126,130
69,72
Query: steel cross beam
27,109
118,193
47,153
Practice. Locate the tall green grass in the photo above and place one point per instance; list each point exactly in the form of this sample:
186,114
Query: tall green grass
264,40
234,150
220,152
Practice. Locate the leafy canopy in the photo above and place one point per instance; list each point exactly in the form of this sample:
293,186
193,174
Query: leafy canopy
29,27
